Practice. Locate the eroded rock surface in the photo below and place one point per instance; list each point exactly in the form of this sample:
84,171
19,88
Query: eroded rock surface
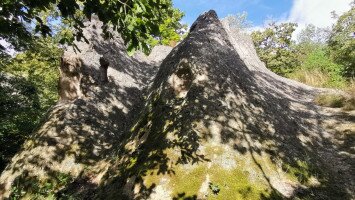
213,124
101,91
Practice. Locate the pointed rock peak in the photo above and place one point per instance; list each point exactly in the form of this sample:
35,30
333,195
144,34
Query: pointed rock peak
204,20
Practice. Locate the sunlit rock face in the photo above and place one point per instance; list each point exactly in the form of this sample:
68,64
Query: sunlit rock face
217,119
213,123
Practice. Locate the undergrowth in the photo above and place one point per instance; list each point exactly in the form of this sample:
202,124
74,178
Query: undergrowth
336,101
33,188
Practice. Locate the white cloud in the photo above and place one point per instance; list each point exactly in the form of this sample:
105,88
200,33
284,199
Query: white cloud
317,12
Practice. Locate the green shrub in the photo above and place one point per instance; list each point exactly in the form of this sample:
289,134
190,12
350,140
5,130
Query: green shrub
317,68
318,60
330,100
336,101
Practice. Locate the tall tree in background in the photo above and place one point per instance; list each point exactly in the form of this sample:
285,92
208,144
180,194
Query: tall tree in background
342,42
238,21
274,46
313,34
312,39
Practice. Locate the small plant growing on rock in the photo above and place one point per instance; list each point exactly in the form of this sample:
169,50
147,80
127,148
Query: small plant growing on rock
215,188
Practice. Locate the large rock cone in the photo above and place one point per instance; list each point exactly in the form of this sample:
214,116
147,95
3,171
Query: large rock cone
216,124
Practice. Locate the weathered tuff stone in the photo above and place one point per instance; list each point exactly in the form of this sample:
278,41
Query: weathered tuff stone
70,78
80,131
214,118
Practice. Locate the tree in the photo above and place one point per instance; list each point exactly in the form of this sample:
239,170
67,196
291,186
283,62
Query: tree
28,87
313,34
170,30
238,21
135,20
274,46
342,42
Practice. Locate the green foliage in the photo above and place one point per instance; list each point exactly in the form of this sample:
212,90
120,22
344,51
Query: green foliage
136,20
318,59
19,105
308,61
39,65
28,85
329,100
169,28
36,189
214,188
342,42
169,31
275,47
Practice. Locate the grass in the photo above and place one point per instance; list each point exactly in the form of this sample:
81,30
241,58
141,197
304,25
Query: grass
336,101
235,184
232,184
330,100
317,78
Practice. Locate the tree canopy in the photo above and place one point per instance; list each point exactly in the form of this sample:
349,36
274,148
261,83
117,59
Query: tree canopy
274,47
342,42
136,20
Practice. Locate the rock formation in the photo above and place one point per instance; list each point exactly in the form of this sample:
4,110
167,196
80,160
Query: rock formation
70,78
211,122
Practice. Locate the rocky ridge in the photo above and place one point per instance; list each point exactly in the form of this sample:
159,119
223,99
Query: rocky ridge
211,122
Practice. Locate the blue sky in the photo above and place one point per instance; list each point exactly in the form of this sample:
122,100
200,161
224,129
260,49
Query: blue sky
258,10
302,12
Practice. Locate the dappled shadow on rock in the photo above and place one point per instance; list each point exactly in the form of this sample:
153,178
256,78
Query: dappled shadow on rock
77,137
269,123
208,120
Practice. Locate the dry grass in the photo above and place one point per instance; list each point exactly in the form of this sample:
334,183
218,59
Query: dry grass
317,78
350,103
336,101
330,100
314,78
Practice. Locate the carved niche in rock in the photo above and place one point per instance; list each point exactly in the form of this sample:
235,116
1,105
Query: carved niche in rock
181,80
70,78
103,69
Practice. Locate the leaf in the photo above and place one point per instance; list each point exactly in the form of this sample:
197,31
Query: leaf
131,50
